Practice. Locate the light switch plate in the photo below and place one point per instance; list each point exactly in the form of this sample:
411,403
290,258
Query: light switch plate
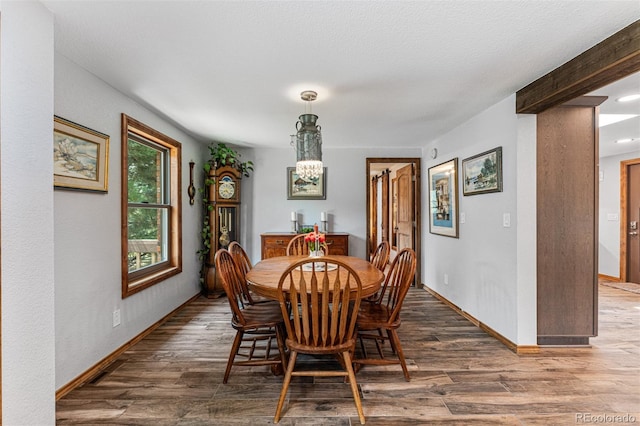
116,317
506,220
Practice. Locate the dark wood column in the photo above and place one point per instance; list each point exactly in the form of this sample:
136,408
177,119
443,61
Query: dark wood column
567,222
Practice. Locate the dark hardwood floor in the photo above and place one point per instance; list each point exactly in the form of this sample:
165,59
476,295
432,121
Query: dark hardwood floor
459,376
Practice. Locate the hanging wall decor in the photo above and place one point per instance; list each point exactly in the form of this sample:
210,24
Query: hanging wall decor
308,188
443,199
80,157
482,173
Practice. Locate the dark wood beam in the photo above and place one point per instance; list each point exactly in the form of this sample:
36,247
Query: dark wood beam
612,59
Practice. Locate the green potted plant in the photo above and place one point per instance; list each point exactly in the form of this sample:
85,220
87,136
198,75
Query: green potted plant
222,155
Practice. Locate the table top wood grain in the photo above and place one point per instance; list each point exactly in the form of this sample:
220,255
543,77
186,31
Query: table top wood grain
263,278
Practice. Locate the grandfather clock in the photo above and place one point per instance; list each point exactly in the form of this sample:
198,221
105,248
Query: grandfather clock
224,218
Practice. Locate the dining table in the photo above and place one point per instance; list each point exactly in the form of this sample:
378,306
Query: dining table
265,275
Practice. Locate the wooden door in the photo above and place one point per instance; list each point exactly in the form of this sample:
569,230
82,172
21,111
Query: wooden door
404,232
373,217
394,214
385,207
632,223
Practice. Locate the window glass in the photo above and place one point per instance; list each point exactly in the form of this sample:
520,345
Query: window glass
151,211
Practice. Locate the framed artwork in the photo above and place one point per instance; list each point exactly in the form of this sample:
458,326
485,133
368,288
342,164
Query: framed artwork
482,173
306,189
80,157
443,199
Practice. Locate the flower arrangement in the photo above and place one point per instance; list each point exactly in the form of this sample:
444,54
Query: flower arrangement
314,240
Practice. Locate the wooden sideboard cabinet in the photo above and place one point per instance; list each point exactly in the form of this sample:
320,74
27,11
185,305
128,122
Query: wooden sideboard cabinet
275,243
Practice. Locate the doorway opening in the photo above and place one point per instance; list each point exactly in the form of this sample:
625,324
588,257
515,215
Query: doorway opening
394,206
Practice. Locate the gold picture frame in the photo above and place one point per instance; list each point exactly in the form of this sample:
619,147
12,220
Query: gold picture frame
80,157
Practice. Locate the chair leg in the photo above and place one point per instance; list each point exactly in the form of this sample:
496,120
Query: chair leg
362,347
285,386
393,344
354,385
232,355
395,340
280,333
378,342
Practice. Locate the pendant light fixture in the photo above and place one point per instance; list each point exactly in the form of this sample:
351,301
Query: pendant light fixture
308,141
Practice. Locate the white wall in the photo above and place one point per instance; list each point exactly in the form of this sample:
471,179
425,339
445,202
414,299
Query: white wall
527,233
609,201
26,111
87,235
482,263
265,194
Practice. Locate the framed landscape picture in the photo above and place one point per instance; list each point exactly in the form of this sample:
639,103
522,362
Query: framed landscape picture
443,199
306,188
482,173
80,157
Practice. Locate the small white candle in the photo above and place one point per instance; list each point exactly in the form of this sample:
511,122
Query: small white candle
323,216
293,216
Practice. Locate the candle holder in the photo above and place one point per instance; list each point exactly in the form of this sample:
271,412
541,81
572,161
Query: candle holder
294,226
325,226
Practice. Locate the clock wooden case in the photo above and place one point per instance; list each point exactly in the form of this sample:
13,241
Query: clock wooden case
224,218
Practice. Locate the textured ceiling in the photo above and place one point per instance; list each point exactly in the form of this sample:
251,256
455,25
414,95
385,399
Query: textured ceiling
387,73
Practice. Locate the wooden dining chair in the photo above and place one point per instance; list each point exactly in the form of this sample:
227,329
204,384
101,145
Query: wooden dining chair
298,247
380,256
323,304
244,265
380,259
384,313
240,256
256,325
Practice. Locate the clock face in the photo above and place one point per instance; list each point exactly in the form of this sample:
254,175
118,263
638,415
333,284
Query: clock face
227,188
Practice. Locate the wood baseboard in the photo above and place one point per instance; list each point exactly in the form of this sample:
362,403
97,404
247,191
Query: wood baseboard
609,278
106,361
518,349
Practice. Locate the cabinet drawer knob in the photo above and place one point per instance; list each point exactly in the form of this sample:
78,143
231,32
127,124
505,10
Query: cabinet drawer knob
279,241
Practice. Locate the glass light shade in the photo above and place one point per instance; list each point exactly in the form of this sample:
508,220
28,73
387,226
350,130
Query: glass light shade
308,147
309,169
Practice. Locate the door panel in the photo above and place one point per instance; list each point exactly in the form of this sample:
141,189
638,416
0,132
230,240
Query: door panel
385,207
405,237
633,224
373,216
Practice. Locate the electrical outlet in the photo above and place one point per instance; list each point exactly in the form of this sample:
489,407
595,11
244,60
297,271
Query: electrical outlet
446,278
116,317
463,217
506,220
